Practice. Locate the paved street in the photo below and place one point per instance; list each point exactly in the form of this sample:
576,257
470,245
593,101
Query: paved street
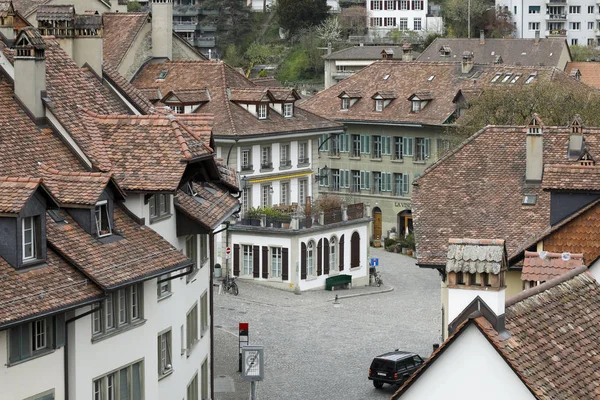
315,350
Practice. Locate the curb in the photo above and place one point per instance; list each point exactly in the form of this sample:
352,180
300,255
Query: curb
363,294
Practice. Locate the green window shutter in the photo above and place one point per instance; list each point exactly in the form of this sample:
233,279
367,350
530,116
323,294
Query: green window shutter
388,145
427,147
405,183
389,181
14,344
367,179
59,323
362,144
325,138
362,179
368,144
408,146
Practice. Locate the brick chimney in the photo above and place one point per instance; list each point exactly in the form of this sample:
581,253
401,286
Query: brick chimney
407,52
467,62
162,29
482,37
534,166
30,72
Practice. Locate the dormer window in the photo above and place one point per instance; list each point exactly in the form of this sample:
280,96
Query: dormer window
379,105
30,239
177,109
416,106
103,226
345,103
262,111
288,110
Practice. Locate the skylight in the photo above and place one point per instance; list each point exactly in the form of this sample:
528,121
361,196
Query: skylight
386,77
529,199
507,77
498,75
515,79
530,78
432,77
162,74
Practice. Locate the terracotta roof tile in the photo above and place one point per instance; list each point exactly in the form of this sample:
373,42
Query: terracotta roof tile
209,207
364,53
229,175
590,72
140,253
14,193
248,94
571,177
188,95
139,99
56,285
469,255
230,118
26,7
545,266
119,32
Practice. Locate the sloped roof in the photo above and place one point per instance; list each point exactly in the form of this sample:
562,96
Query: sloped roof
590,72
544,266
475,255
364,53
59,285
137,98
141,253
15,192
512,51
230,118
55,12
187,96
209,207
571,177
119,32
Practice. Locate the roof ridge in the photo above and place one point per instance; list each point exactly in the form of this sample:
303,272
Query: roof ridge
227,102
185,148
545,286
198,138
55,171
551,254
20,179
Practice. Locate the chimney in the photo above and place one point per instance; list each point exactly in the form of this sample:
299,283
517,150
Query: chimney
576,140
537,37
534,166
328,48
482,37
30,72
407,52
162,29
475,274
467,62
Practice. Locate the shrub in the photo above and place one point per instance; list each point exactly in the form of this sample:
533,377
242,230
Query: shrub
389,242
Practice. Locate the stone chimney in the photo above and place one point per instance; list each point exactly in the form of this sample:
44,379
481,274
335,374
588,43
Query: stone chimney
482,37
576,139
467,62
162,29
407,52
537,37
475,270
534,166
30,72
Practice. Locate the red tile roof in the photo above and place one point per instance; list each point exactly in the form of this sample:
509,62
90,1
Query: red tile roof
56,285
590,72
15,192
571,177
119,32
133,95
545,266
230,118
209,207
140,254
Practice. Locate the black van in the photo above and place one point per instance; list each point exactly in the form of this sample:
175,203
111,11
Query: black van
394,368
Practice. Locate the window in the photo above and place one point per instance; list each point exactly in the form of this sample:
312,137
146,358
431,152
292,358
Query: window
310,258
377,182
407,146
191,333
160,206
276,262
265,159
123,384
506,77
418,5
355,181
575,26
400,184
192,389
335,179
324,142
534,9
191,251
473,279
302,184
376,21
203,249
377,146
515,79
530,78
591,42
574,42
496,77
574,9
515,10
529,200
163,289
590,9
265,195
103,227
365,180
177,109
31,339
204,372
376,4
203,313
534,26
403,6
262,111
422,149
416,106
390,4
164,353
356,145
284,155
345,103
29,238
284,197
247,260
246,199
288,110
121,309
379,105
333,253
460,280
389,21
403,25
246,159
591,28
303,153
397,148
417,21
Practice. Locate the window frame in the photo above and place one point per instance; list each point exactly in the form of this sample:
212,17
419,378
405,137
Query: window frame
246,164
288,110
265,157
303,153
310,258
33,243
345,103
191,252
192,336
159,206
276,262
284,155
247,259
100,384
111,311
204,325
262,111
160,293
379,105
165,353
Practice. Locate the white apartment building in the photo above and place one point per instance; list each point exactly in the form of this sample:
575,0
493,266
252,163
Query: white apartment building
404,15
576,22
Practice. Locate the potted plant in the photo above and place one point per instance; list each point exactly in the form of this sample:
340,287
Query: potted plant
253,216
410,244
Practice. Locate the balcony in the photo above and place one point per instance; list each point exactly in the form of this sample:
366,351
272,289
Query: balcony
556,2
342,74
184,26
266,165
303,161
185,11
208,28
206,42
285,163
556,17
557,33
247,167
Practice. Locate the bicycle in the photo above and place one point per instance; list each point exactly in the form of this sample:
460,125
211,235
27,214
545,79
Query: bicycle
378,279
229,285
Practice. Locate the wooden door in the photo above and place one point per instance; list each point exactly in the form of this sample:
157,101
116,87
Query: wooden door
377,221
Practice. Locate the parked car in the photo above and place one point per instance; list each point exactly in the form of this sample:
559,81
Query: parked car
394,367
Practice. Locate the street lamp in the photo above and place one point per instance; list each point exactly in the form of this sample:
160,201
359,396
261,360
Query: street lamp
322,174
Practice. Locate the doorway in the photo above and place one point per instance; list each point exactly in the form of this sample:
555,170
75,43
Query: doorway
405,223
377,223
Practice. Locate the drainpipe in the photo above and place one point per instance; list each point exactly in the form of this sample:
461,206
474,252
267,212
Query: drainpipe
211,239
66,349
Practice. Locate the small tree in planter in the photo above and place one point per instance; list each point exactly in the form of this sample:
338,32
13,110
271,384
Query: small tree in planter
253,216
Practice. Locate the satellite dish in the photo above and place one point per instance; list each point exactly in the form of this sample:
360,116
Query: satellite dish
566,256
543,254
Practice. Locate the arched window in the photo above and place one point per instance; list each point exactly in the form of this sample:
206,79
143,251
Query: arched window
332,253
310,258
355,250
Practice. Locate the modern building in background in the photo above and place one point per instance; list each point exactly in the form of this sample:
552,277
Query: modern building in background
383,16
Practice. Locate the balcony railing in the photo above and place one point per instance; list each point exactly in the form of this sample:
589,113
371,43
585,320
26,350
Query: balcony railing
266,165
557,33
303,160
247,167
205,42
285,163
556,17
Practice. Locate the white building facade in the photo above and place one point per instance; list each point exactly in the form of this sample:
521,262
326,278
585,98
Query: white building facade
404,15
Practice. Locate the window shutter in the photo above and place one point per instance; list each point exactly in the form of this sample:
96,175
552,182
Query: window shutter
59,323
341,257
412,5
347,142
320,258
256,261
372,4
368,144
355,250
395,20
388,145
385,5
427,147
284,264
303,261
124,385
362,179
265,262
236,260
422,2
14,343
405,183
326,257
389,181
367,180
362,143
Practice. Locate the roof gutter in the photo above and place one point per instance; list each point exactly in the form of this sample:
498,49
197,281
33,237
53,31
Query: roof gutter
287,134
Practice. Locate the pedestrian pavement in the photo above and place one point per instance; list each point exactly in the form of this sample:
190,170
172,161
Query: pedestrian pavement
317,349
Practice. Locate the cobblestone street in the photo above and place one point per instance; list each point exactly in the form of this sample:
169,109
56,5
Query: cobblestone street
317,350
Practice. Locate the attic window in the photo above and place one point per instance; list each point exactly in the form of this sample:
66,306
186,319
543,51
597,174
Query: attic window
529,199
445,51
506,77
103,227
416,105
515,79
288,110
495,78
262,111
379,105
530,78
30,238
431,78
177,109
386,77
345,103
162,74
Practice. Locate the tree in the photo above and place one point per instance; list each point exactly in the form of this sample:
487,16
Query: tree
584,53
294,15
498,22
234,22
354,20
483,16
330,30
134,6
555,103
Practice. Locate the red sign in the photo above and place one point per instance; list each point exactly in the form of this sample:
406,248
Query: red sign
243,326
228,250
